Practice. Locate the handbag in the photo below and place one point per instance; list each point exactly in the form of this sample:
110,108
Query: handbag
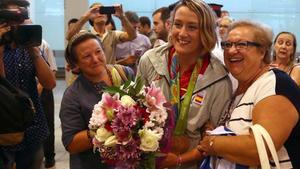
16,113
261,135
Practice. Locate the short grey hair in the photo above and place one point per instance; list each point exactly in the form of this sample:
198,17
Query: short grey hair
263,35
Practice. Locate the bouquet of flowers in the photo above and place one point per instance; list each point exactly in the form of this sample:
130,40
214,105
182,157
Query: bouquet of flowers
131,126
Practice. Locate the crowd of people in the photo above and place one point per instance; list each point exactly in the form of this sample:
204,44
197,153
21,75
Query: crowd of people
214,70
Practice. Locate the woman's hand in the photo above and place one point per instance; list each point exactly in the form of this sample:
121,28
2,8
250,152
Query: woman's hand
169,161
206,145
208,126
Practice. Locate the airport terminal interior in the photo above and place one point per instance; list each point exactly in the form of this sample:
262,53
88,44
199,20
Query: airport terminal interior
53,16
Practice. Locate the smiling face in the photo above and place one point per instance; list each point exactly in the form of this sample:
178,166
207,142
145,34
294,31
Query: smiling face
284,47
185,33
243,63
91,59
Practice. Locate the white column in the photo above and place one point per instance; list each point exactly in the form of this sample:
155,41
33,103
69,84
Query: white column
74,9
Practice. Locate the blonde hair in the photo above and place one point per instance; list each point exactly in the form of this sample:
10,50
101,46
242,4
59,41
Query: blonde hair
207,22
262,34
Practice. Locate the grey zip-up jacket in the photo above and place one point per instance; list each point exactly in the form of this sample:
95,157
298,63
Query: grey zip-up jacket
214,87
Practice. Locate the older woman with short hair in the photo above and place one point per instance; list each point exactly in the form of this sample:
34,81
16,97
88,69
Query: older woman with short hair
285,45
85,53
190,77
266,97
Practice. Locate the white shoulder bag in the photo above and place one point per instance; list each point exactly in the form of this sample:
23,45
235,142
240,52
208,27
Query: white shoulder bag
261,134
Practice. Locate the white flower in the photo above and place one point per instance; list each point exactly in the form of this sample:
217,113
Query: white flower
111,141
102,134
149,124
159,115
149,140
98,116
127,101
159,131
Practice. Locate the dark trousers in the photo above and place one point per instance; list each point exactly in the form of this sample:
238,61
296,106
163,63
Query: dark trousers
48,106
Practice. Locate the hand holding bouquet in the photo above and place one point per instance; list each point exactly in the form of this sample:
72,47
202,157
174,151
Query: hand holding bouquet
130,125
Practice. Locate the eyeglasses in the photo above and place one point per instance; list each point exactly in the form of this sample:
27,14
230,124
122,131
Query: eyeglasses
238,45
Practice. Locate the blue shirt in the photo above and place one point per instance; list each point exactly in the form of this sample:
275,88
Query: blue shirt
20,72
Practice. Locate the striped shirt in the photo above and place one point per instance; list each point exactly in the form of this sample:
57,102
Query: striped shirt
273,82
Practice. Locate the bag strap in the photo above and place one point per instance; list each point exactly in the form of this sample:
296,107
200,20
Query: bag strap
260,133
270,144
263,156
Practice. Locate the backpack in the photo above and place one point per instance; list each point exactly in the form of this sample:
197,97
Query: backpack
16,113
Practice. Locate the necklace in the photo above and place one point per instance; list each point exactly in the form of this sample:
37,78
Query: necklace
234,102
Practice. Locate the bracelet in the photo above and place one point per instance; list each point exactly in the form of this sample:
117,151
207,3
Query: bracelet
211,143
178,161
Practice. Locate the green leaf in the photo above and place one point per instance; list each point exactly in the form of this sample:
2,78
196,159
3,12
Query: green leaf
158,154
139,85
114,90
126,84
148,162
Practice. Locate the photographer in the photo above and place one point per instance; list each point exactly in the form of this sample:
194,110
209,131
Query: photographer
22,67
109,38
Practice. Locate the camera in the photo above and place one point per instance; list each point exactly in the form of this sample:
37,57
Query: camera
22,35
107,10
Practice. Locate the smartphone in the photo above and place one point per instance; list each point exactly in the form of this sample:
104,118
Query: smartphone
107,10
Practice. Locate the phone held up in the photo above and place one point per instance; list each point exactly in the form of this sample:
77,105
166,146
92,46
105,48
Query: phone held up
107,10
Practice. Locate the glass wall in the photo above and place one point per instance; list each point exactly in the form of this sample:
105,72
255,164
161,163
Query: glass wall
50,14
281,15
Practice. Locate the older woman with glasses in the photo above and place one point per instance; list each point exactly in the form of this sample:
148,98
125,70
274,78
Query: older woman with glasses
266,97
285,45
195,82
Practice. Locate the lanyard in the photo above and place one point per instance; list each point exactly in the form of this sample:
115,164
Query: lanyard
181,123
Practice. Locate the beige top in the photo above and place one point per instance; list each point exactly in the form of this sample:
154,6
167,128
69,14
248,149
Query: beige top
109,41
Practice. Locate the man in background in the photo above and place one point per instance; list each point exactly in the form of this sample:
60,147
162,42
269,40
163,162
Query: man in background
161,25
145,29
109,38
128,53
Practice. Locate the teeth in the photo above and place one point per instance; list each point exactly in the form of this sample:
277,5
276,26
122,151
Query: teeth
182,42
234,59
